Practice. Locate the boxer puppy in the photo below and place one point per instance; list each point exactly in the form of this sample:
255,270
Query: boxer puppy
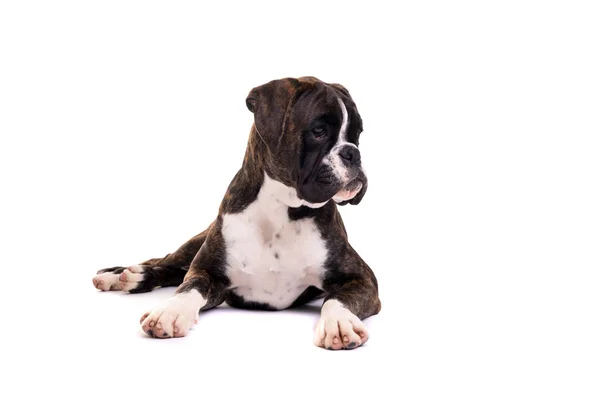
278,240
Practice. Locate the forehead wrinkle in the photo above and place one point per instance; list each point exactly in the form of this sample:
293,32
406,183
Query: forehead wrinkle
288,113
319,96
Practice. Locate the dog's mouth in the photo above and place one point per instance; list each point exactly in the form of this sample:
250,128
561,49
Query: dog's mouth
327,186
349,191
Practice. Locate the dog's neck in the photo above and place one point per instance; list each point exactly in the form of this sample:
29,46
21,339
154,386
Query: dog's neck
275,191
258,179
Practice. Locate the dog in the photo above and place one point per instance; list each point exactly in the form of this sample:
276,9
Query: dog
278,240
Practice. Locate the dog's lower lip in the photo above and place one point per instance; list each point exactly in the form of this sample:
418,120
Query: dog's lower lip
349,191
353,185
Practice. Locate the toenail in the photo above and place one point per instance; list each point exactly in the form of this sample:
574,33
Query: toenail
165,334
351,345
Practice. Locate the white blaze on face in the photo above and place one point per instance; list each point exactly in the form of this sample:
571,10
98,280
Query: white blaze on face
334,159
344,128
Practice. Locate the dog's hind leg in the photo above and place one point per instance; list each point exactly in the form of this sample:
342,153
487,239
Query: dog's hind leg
144,278
150,274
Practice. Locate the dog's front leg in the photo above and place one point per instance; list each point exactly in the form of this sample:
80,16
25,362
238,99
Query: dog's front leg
204,286
352,295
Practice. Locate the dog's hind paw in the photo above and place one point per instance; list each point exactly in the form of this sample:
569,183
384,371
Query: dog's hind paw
131,278
108,279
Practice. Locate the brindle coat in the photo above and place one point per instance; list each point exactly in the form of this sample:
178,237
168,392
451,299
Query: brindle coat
273,144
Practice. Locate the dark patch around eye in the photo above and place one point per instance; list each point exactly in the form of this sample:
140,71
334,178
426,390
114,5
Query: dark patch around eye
324,119
319,131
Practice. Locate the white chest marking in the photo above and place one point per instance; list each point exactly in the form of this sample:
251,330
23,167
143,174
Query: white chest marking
270,258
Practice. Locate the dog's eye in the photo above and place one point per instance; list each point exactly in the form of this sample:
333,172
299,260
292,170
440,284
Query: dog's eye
319,132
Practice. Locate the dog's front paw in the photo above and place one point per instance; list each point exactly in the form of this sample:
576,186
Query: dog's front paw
174,319
338,328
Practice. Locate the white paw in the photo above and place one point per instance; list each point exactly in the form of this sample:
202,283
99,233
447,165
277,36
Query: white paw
107,281
175,318
338,328
130,277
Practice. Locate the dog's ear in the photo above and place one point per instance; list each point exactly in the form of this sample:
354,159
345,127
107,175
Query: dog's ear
252,99
270,103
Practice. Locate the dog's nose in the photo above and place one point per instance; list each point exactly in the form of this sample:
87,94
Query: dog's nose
350,155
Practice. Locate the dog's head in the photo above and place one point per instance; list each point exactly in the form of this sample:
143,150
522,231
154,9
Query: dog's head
310,129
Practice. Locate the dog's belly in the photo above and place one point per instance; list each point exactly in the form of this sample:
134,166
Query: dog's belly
270,259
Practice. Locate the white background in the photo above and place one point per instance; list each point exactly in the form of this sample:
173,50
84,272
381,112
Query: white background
123,122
